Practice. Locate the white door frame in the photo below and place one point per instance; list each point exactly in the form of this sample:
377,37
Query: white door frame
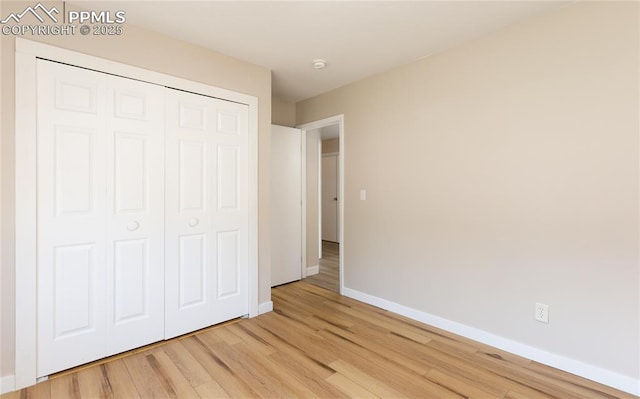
25,189
332,120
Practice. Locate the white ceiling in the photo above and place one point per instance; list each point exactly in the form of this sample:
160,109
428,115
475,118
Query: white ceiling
357,38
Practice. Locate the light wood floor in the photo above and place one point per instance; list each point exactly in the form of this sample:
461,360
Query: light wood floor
319,344
329,275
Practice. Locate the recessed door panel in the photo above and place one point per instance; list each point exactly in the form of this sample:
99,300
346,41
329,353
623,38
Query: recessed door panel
193,172
130,173
228,122
74,271
76,95
131,280
192,270
227,263
73,170
228,177
192,116
131,105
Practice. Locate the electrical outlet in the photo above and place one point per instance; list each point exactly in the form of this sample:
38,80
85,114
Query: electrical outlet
542,313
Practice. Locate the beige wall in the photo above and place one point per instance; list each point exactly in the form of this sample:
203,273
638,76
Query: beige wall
283,113
502,173
144,49
330,146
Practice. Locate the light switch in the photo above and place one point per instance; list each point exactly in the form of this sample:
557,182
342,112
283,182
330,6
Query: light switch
363,195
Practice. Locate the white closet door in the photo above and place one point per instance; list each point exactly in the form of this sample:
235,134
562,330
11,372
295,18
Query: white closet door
286,205
100,215
206,212
71,216
135,222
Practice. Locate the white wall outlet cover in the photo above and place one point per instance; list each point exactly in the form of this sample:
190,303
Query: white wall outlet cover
363,195
542,312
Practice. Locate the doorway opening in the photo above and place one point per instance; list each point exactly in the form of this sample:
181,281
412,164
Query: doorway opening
323,217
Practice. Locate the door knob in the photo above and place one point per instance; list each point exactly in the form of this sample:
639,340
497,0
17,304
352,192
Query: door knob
193,222
133,226
335,198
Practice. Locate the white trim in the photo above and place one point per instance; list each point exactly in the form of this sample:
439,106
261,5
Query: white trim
338,119
26,54
265,307
7,384
311,270
594,373
303,198
319,166
25,222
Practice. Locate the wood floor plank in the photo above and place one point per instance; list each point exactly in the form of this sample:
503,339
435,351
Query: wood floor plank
186,363
66,386
227,336
525,377
515,395
144,377
464,387
269,368
93,383
120,380
212,390
289,353
252,340
172,380
295,304
389,373
373,385
219,371
248,371
350,388
372,318
41,390
313,381
383,350
298,335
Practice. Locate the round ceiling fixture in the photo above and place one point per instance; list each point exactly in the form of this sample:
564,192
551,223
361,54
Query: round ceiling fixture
319,64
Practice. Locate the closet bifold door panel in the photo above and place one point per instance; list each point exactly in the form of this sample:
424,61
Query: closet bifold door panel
206,241
135,189
100,215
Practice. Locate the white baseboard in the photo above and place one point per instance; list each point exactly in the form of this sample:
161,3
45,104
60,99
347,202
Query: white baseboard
265,307
594,373
311,270
7,384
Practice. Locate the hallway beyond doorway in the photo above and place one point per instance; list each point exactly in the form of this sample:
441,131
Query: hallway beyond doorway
329,275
